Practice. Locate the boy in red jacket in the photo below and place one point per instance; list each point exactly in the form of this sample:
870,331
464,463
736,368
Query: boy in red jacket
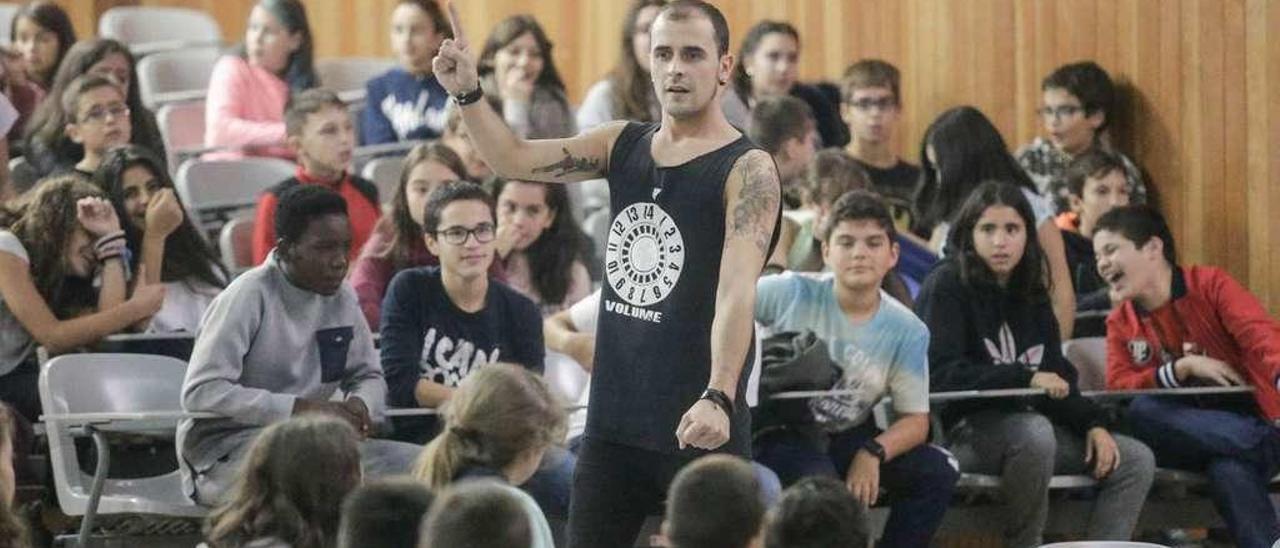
1184,326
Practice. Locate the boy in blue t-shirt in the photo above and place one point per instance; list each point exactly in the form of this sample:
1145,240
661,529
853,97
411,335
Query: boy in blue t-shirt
882,350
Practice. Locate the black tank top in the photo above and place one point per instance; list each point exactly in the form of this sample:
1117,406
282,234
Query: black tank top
662,268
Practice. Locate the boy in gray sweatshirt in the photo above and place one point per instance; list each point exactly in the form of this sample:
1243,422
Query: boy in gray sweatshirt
281,340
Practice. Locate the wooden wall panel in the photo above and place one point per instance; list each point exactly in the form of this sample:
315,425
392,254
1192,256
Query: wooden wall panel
1202,81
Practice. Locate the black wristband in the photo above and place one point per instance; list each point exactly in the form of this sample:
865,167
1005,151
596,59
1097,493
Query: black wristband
469,97
720,399
875,449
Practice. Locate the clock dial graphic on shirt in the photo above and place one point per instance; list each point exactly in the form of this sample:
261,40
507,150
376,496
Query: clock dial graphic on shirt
644,254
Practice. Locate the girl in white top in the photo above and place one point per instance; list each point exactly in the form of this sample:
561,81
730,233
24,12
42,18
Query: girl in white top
52,245
162,237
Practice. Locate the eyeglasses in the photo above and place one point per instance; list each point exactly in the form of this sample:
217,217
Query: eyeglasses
1060,111
98,115
457,235
883,103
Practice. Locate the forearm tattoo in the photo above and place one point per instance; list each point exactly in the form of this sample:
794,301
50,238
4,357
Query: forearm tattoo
755,213
570,164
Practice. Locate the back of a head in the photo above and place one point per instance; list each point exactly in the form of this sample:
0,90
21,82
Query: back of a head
714,502
816,512
477,514
968,150
832,174
776,120
278,494
497,414
385,514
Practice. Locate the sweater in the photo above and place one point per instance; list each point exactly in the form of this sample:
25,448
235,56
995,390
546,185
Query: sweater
985,338
1209,309
401,106
362,209
264,343
245,109
426,336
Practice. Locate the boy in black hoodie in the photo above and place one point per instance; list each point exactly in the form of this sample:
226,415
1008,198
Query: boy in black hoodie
993,327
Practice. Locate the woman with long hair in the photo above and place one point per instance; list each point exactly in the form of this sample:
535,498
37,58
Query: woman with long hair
960,150
283,501
249,88
992,327
49,148
42,33
164,238
520,79
59,237
545,254
627,92
769,66
397,242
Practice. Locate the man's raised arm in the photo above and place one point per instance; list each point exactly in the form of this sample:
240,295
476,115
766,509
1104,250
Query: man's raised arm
579,158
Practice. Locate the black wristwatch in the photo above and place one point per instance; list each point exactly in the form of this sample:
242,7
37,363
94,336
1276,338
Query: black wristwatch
469,97
720,399
872,446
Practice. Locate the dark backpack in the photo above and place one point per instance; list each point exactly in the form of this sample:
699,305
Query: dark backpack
792,361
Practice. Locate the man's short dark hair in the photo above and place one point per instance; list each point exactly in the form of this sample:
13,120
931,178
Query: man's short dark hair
1139,224
384,513
448,193
1089,83
714,502
683,9
1093,164
305,104
870,73
477,513
776,120
299,205
860,205
816,512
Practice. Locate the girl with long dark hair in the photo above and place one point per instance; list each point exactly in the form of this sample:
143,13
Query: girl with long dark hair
960,150
42,33
545,252
992,327
164,238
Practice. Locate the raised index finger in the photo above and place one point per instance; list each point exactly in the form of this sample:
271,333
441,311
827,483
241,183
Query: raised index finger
455,22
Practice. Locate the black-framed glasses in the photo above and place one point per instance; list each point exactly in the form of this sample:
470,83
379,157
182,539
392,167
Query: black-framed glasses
1060,111
883,103
457,235
99,115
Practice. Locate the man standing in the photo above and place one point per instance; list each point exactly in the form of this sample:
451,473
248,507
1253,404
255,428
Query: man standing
695,209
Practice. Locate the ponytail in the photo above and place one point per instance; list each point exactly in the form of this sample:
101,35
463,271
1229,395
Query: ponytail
440,459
